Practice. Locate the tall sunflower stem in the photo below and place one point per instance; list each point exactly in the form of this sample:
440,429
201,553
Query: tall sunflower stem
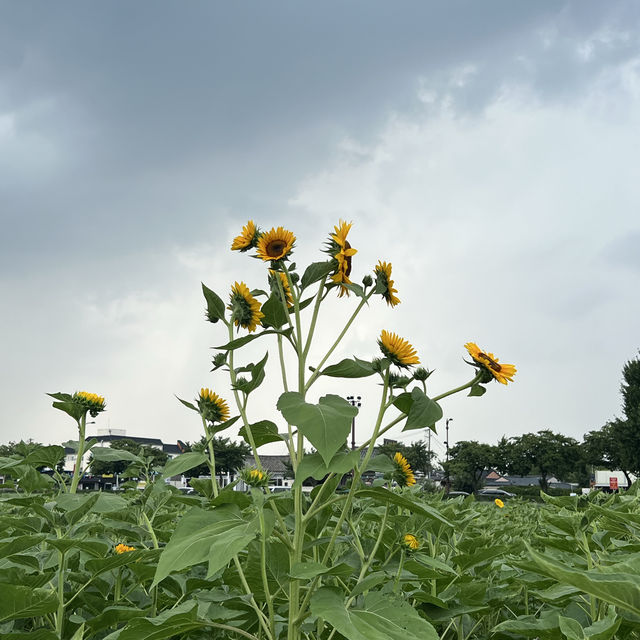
212,458
314,318
461,388
77,470
354,315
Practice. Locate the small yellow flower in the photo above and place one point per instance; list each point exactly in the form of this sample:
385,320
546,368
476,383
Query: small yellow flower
501,372
123,548
397,349
384,282
244,307
411,541
248,237
275,244
403,473
212,407
91,402
499,503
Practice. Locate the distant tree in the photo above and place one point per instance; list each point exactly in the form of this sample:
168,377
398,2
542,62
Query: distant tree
419,456
100,467
543,453
229,456
468,460
617,444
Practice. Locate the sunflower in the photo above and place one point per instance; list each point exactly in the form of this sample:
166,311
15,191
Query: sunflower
499,503
90,402
384,283
503,373
244,307
275,244
397,349
248,237
402,473
255,477
212,407
411,541
339,248
285,285
123,548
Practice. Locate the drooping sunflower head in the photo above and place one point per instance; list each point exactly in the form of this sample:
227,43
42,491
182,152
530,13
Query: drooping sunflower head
276,244
402,473
90,402
384,283
212,407
397,349
245,309
123,548
411,542
247,239
339,248
503,373
499,503
273,283
255,477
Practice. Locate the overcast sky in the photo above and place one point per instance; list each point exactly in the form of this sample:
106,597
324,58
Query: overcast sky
489,150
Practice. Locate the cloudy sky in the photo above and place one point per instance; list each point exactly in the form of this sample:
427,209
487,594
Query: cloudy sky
489,150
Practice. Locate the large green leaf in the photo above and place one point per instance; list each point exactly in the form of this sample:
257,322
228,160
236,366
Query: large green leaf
215,535
215,305
316,271
423,411
621,589
350,368
263,432
24,602
381,617
240,342
274,314
313,466
257,376
107,454
16,545
326,425
48,456
183,463
169,624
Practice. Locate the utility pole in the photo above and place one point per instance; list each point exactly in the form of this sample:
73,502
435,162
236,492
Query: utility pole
448,420
354,401
429,453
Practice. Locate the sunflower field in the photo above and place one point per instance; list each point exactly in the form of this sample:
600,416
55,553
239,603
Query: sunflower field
349,559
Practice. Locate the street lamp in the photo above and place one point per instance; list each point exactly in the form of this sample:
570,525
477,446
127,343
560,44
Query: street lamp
354,401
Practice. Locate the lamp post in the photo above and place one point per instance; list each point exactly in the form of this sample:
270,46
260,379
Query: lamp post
447,421
354,401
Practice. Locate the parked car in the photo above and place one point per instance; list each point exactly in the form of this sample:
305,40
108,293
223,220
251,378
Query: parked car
492,494
456,494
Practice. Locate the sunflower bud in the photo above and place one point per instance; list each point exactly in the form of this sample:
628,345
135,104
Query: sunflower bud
421,374
367,281
219,360
411,542
255,477
90,402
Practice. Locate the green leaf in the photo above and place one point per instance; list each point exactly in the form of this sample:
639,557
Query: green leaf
21,543
111,616
477,390
215,536
326,425
38,634
424,412
257,375
48,456
571,628
169,624
315,272
382,495
621,589
107,454
356,288
100,565
24,602
215,305
381,617
313,466
349,368
605,628
263,432
380,463
183,462
76,411
240,342
188,404
274,314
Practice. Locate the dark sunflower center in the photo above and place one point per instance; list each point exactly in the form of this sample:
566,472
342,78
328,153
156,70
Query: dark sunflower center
347,259
492,363
276,248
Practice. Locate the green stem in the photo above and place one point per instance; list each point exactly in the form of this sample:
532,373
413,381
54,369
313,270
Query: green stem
61,604
262,619
318,369
461,388
314,318
212,458
152,533
263,571
78,467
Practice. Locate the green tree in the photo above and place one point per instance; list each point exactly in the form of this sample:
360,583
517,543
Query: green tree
157,457
229,456
468,460
544,453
